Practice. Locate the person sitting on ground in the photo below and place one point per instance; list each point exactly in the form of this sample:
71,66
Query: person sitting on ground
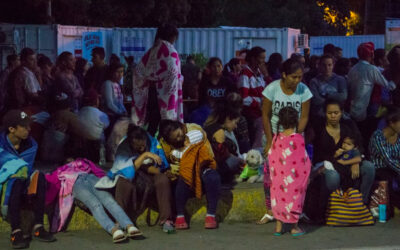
384,148
329,135
196,170
327,85
64,133
24,186
97,74
94,122
150,167
241,132
226,149
24,83
345,157
251,85
112,97
67,82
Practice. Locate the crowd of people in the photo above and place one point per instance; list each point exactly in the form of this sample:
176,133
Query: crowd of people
321,122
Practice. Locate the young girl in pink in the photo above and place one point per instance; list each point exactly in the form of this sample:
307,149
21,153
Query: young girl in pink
289,170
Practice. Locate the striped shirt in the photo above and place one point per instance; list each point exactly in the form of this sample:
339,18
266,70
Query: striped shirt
383,153
251,85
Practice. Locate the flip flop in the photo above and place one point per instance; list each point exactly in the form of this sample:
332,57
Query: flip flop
299,233
263,220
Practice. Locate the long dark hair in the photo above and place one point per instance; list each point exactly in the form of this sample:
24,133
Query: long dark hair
288,118
166,32
290,66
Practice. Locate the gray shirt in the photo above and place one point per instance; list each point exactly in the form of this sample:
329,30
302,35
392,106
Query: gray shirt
361,79
335,87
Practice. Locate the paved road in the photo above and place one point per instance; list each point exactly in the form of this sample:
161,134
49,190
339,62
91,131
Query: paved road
233,236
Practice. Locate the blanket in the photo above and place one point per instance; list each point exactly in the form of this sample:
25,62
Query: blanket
161,66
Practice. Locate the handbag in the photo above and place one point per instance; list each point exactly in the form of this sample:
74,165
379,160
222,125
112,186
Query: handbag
347,209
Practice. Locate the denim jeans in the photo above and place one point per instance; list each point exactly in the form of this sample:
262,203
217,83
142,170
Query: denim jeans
96,200
211,185
367,176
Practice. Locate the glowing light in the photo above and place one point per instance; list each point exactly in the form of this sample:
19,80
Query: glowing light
331,17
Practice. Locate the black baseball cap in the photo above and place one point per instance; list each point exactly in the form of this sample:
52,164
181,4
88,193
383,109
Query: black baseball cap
16,117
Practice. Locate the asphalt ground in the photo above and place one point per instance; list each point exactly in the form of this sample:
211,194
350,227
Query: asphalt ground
245,236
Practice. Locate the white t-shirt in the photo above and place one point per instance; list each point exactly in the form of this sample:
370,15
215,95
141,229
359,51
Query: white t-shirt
274,93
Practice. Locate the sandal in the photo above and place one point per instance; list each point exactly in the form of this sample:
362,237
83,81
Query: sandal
265,219
168,227
300,233
133,232
118,236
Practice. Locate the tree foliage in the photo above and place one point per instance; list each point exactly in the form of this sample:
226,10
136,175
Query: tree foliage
309,15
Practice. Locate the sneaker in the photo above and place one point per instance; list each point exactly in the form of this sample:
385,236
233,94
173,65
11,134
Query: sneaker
42,235
18,241
168,227
180,223
210,222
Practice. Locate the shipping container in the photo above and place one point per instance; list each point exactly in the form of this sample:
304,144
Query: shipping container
349,44
69,38
223,42
219,42
41,38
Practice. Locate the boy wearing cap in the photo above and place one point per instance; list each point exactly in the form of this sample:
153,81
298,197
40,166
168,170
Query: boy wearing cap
20,185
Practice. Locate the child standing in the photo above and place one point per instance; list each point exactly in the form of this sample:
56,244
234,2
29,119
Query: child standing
347,156
289,170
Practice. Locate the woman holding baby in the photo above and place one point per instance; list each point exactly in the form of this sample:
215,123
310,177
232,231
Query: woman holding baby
329,137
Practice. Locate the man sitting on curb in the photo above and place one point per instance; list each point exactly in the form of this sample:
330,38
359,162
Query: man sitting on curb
22,187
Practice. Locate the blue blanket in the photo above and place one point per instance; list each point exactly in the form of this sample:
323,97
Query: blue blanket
123,163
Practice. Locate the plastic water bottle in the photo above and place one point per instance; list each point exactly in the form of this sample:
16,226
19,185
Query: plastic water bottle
382,213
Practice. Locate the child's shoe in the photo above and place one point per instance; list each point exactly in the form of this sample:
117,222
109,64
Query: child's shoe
180,223
210,222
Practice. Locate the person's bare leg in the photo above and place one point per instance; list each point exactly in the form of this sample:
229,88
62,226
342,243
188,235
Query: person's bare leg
278,226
